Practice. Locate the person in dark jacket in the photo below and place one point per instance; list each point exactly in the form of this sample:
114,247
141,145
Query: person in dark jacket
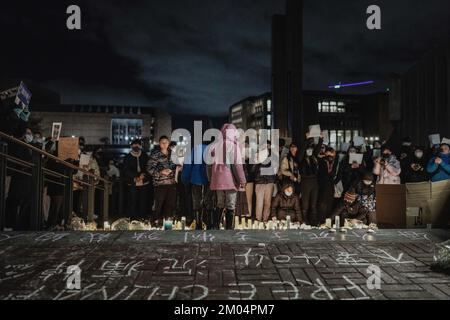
194,173
350,173
350,208
136,177
365,191
264,184
309,186
416,168
162,169
328,178
287,203
289,169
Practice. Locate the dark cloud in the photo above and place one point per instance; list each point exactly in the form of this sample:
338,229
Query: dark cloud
200,56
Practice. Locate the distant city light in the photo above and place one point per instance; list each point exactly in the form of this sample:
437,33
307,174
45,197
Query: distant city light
338,86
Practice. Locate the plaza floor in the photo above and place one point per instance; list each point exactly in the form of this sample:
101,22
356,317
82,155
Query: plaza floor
223,265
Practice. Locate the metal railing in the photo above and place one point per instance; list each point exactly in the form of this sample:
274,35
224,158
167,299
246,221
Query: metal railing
37,174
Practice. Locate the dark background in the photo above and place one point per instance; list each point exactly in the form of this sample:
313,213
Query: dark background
201,56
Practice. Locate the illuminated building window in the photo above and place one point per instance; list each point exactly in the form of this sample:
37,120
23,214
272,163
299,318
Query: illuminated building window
123,131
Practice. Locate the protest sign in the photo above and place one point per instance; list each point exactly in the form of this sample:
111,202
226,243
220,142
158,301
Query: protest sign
68,148
56,130
355,157
358,141
314,131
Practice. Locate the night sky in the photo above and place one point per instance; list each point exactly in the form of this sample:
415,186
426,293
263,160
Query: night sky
201,56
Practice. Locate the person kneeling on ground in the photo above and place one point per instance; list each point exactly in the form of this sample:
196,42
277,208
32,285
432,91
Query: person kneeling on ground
352,209
287,203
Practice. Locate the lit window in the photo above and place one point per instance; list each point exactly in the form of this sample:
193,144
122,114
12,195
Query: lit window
319,107
269,120
269,105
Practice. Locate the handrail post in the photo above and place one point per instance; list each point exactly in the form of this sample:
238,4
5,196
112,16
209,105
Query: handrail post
106,189
37,188
68,196
91,199
3,162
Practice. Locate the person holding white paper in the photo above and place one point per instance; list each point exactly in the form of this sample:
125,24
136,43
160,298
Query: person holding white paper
387,167
328,180
350,171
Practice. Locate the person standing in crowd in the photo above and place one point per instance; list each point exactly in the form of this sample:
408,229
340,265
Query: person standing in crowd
289,169
264,184
328,178
113,175
415,170
406,155
249,170
226,174
350,173
309,186
137,179
194,173
82,191
162,169
184,191
439,165
287,203
371,155
18,201
283,151
387,167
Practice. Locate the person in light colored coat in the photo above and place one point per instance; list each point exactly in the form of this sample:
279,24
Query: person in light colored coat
226,177
387,168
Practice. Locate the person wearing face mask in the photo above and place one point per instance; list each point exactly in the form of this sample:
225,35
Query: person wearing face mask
351,208
387,167
350,173
365,191
287,203
289,169
113,175
18,201
439,165
137,179
415,169
328,178
309,186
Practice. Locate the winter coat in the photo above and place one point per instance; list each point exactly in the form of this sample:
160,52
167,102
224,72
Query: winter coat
350,176
223,175
289,168
283,206
389,174
439,172
195,173
262,177
366,196
356,211
309,166
157,162
134,164
414,176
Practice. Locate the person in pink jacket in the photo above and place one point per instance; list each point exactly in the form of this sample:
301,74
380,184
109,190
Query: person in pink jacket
226,174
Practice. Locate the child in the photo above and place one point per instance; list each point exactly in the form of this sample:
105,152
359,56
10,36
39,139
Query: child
287,203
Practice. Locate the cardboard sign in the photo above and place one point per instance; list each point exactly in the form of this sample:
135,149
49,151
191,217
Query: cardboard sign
355,157
56,130
68,148
358,141
315,131
435,139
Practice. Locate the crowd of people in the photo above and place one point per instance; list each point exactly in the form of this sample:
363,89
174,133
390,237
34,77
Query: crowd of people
312,183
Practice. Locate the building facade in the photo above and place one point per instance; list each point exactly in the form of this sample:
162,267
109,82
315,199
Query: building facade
287,71
253,113
342,116
118,125
421,98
